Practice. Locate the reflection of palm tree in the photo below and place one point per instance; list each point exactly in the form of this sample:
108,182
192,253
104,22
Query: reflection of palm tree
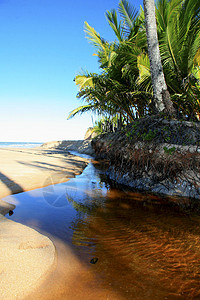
80,227
83,208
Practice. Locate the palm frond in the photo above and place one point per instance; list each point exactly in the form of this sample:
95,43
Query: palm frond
115,25
143,65
84,80
129,15
94,37
80,110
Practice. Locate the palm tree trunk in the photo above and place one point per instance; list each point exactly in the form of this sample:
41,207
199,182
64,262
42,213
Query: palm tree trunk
161,95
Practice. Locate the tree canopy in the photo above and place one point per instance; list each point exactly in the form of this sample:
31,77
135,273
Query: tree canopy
123,85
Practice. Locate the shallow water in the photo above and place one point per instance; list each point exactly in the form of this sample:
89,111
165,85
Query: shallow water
146,247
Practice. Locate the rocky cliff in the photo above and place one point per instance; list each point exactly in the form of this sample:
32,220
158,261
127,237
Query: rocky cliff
154,154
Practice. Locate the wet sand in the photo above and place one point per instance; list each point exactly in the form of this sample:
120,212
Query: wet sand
26,256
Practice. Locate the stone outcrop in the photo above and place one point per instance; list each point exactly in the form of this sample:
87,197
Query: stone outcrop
81,146
154,154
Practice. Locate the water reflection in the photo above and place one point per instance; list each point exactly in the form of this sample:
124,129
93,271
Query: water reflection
146,247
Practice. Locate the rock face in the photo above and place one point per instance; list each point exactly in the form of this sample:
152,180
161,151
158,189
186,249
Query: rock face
154,154
81,146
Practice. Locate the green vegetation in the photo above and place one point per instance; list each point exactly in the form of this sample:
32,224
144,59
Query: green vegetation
169,150
128,134
107,124
123,86
149,136
141,133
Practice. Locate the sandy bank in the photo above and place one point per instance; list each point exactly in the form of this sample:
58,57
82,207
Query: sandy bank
26,256
25,259
28,169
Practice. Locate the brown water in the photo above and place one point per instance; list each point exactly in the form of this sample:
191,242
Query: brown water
146,247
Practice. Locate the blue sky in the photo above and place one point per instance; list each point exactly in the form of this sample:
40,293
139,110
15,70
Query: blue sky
43,47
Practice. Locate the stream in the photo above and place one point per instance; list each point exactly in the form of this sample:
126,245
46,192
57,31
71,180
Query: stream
112,243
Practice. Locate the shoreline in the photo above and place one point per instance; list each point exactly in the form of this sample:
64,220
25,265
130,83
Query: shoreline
26,256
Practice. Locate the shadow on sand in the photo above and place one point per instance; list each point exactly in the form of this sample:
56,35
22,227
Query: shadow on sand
12,185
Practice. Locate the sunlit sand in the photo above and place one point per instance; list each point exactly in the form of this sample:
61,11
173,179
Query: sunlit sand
26,256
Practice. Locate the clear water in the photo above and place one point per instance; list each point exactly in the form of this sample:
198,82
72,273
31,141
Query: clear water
146,247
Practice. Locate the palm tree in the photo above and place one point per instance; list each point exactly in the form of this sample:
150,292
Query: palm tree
125,82
161,98
178,26
109,93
